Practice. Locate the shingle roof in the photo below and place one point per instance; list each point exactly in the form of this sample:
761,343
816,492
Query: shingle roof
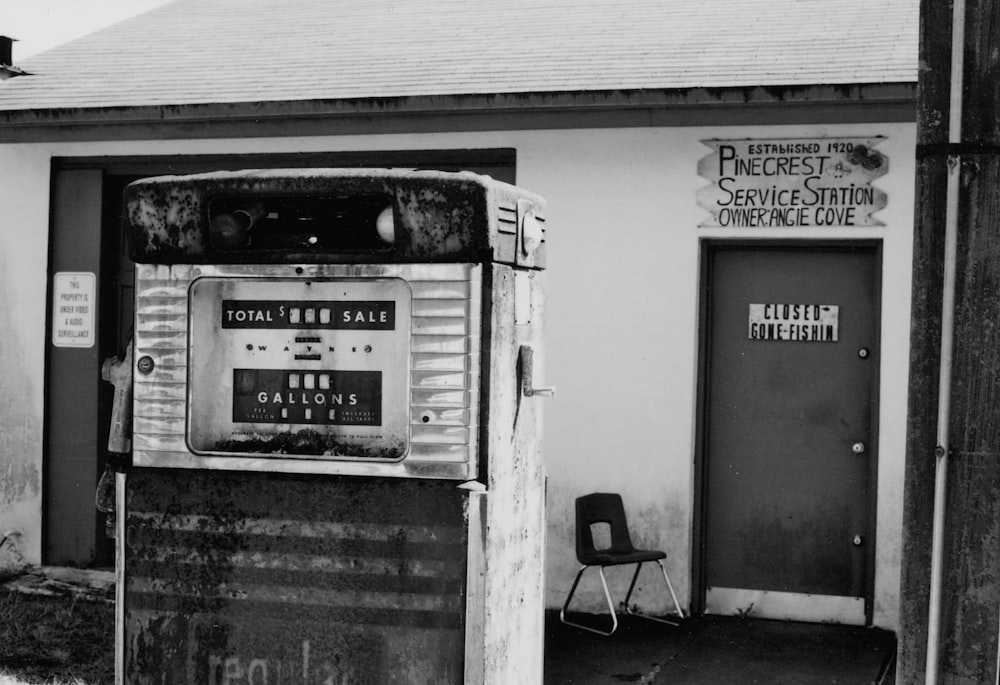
230,51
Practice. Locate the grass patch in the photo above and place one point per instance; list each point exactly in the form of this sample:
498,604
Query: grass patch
55,641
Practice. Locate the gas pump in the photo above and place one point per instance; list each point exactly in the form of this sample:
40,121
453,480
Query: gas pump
335,446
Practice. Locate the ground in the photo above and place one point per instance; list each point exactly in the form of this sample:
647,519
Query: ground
57,628
56,631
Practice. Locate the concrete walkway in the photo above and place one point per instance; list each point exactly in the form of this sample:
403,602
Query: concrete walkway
706,651
59,581
718,651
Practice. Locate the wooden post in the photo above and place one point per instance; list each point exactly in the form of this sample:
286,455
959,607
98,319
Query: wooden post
970,597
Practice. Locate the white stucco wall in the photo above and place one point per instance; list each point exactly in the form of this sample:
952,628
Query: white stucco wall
621,332
23,255
623,344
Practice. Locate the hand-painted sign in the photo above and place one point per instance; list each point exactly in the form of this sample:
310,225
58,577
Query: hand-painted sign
769,183
73,307
794,322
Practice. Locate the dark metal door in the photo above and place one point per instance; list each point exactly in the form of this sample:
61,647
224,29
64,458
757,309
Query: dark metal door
87,246
792,341
73,453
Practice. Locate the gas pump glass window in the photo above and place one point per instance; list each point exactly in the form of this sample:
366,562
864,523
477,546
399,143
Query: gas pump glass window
315,368
296,222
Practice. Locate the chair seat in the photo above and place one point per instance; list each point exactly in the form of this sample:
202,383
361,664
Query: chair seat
609,558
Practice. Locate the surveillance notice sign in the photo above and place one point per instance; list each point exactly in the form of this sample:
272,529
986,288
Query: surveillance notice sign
73,308
786,182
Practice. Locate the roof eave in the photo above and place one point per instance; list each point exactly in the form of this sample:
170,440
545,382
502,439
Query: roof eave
894,101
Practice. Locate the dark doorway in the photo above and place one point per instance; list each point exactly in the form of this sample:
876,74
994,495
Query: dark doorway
86,242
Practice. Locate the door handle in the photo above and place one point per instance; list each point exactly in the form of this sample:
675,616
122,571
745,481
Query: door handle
858,448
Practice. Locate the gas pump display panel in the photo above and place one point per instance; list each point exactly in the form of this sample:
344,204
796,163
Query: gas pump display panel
299,367
368,370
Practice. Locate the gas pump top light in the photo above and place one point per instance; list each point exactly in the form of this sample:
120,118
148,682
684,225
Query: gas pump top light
531,234
385,226
231,230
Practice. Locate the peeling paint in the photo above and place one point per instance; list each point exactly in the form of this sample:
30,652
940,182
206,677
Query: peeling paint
516,494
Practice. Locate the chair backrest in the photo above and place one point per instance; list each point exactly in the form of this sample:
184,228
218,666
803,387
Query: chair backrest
601,507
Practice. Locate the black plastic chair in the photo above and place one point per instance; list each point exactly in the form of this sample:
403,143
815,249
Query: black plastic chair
601,507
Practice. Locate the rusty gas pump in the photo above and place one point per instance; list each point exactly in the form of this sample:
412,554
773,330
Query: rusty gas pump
335,430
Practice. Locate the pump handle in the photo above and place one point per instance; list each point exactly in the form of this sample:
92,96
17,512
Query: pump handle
118,372
527,370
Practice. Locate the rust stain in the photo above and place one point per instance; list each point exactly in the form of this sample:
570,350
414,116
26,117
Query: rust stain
258,578
169,217
310,442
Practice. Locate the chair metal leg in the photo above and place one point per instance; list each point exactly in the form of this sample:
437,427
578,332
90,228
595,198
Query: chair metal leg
670,587
607,596
673,595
